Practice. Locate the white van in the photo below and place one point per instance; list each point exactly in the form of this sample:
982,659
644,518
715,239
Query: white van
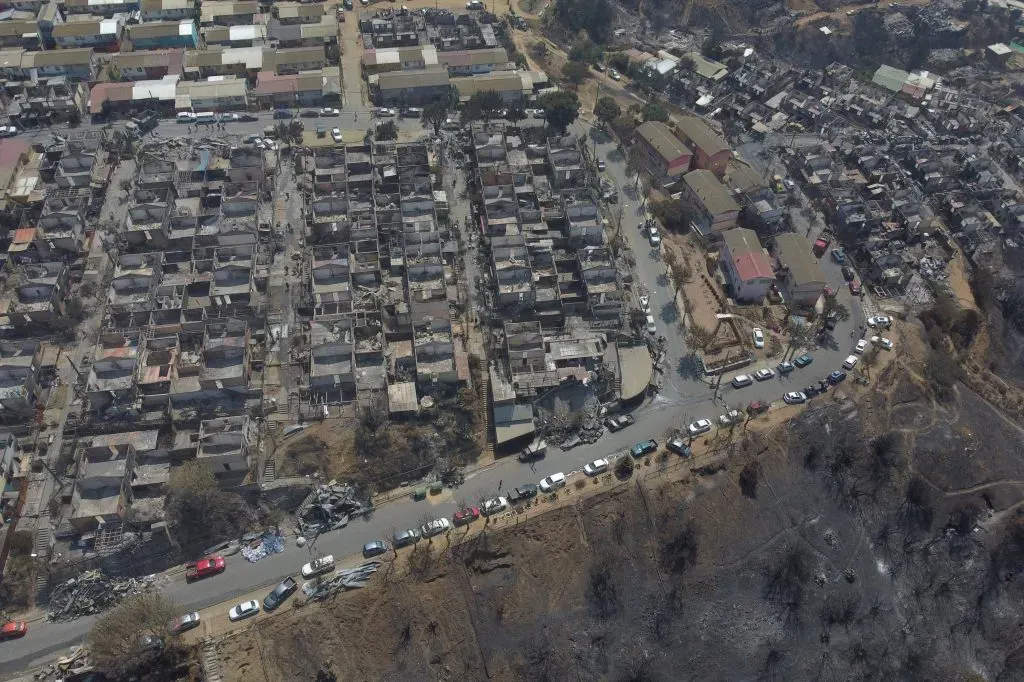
186,117
741,380
206,117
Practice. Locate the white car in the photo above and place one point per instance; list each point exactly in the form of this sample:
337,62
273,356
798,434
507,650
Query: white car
535,113
758,337
730,417
598,466
327,111
244,610
230,118
654,237
795,398
861,346
880,321
552,483
324,564
436,527
764,374
185,622
881,341
645,304
850,362
495,505
8,131
384,111
741,380
614,75
336,134
698,427
652,327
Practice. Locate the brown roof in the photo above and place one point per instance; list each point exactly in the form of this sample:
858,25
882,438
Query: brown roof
154,29
80,55
145,59
700,133
662,140
269,83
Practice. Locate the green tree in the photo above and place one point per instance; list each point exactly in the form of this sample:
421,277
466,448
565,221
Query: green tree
607,110
834,308
435,114
560,109
515,114
575,72
653,111
483,105
584,50
198,511
386,131
619,61
672,213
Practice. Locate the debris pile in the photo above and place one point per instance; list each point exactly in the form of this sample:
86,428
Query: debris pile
329,507
263,545
74,662
571,422
92,592
342,579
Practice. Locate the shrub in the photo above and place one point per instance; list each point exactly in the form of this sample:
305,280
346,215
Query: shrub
624,467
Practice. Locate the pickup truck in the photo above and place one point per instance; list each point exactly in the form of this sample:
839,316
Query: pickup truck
204,568
644,448
534,450
277,596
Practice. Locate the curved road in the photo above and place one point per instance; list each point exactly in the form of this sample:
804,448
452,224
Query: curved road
682,399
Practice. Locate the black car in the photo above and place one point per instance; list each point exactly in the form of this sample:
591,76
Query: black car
347,4
282,113
811,391
277,596
310,113
848,273
248,118
523,492
836,377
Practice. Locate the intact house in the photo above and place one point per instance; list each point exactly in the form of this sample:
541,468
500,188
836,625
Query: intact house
747,268
711,151
664,154
715,211
801,277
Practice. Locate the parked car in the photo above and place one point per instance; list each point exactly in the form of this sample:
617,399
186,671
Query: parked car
599,67
552,483
404,538
597,467
204,568
758,337
881,341
601,165
310,113
839,256
283,113
475,4
811,391
652,327
185,117
466,516
644,448
535,113
620,422
654,237
374,548
678,445
848,274
764,374
436,527
185,622
328,111
248,118
758,407
880,321
521,493
795,398
410,112
837,377
279,594
741,380
495,505
384,112
730,417
855,287
645,303
614,75
324,564
336,134
784,367
850,362
804,360
698,427
244,610
861,346
13,629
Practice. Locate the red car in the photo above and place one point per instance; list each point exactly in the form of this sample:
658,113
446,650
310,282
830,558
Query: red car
467,515
204,568
13,629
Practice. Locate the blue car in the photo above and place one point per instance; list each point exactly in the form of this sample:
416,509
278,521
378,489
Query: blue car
803,360
836,377
839,256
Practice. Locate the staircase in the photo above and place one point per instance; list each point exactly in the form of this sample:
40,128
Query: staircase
485,393
41,548
270,471
210,659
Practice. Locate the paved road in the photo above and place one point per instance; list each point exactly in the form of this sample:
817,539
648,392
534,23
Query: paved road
682,399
